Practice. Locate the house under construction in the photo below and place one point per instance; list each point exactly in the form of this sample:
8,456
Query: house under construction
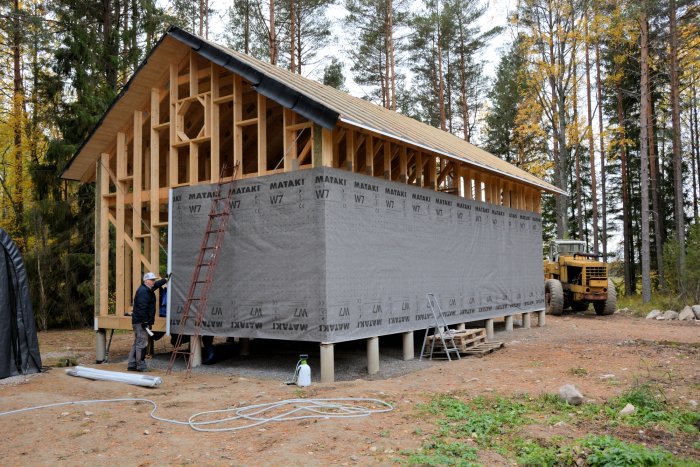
437,214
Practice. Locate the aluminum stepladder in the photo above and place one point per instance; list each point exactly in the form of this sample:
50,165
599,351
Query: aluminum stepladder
441,331
200,285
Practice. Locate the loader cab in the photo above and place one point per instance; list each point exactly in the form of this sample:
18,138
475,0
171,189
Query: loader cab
565,248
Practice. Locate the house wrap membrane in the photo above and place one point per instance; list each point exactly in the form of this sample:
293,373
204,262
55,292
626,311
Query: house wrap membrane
326,255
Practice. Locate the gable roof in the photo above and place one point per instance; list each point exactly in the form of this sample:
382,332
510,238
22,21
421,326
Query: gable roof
321,104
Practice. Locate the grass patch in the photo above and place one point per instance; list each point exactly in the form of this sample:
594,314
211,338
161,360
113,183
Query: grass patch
496,424
652,408
442,452
578,371
658,301
603,451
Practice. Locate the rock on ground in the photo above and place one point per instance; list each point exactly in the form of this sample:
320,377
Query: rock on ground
686,314
668,315
696,310
570,394
628,410
653,314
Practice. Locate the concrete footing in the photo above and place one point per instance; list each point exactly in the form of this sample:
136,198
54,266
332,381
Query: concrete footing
461,327
489,329
408,351
509,323
196,347
327,363
373,355
540,319
526,320
100,346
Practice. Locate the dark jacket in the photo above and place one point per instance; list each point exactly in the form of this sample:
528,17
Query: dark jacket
144,310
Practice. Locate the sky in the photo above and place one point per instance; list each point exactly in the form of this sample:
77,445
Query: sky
496,15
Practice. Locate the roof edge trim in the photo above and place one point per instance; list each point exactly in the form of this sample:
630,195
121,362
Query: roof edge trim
264,84
544,185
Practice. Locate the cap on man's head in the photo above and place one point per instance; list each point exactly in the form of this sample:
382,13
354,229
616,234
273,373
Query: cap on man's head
149,276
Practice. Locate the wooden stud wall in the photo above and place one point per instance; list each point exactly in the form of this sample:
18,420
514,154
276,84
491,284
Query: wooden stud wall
148,156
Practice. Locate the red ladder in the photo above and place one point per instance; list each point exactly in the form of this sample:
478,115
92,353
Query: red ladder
198,294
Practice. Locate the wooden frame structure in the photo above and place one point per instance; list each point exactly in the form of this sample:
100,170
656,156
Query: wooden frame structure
190,119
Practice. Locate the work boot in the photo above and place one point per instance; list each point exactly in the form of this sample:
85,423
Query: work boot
131,368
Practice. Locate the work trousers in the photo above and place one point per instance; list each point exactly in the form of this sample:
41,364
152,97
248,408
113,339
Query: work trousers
137,356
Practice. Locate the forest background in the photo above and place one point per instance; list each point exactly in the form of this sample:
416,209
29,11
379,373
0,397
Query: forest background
598,97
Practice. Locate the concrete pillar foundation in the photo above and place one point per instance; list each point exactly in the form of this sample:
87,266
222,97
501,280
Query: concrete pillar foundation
101,346
373,355
526,320
541,319
489,329
327,363
509,323
408,351
196,349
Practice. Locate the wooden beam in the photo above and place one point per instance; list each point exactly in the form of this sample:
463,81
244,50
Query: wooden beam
262,135
215,147
369,155
403,164
120,218
194,163
102,237
154,184
419,168
289,141
350,151
136,204
172,160
387,160
194,74
237,131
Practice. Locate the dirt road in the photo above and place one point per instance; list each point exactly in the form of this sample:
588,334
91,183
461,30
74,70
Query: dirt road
602,356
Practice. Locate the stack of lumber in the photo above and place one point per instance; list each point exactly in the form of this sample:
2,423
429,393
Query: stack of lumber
467,341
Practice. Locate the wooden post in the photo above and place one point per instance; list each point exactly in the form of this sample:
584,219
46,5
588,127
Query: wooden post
137,187
403,164
262,135
215,145
172,161
120,218
387,160
237,131
154,184
102,237
350,151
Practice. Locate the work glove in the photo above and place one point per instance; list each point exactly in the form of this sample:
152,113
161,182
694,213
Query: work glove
167,277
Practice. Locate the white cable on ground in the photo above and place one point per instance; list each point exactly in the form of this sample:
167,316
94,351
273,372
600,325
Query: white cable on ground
254,415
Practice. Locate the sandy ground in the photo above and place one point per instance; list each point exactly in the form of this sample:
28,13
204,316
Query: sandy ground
616,352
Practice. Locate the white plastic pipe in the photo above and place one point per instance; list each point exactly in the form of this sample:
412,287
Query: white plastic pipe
116,376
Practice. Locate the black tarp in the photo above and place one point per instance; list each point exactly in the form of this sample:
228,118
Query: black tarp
19,345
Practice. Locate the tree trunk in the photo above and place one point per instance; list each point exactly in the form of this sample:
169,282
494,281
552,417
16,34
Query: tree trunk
272,36
676,142
603,193
695,154
656,205
644,159
292,34
463,82
390,38
591,146
441,83
17,104
626,230
577,142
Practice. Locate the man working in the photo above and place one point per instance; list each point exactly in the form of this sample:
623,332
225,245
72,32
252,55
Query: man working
143,315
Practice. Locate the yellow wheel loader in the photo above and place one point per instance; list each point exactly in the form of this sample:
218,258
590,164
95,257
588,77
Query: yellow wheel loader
574,278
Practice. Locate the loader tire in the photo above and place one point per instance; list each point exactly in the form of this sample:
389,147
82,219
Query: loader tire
609,306
553,297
